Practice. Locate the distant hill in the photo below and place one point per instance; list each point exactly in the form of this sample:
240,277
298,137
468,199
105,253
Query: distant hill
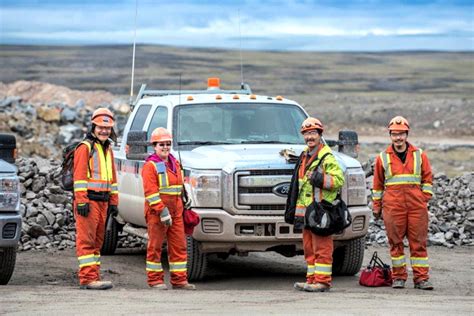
362,91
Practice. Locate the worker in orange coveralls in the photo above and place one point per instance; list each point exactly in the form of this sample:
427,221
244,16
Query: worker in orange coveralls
95,196
163,185
401,190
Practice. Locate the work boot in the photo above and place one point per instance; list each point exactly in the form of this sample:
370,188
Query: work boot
97,285
186,286
159,286
317,287
299,286
424,285
398,284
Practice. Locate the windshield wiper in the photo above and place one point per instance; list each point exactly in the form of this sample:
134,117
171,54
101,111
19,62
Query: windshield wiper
263,142
204,143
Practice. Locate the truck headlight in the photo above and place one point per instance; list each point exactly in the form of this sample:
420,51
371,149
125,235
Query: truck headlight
9,193
205,187
356,187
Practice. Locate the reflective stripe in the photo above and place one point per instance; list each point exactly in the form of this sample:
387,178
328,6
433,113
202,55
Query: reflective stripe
300,210
322,268
97,259
398,261
87,260
172,189
328,181
114,188
310,270
154,266
80,185
178,266
100,165
403,179
417,162
420,262
153,198
428,188
386,164
377,194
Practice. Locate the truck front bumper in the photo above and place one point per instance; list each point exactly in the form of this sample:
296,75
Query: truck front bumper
10,229
221,231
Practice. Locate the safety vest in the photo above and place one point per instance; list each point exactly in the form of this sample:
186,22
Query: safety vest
165,187
99,173
414,178
308,193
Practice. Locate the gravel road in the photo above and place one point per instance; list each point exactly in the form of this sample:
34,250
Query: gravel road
45,283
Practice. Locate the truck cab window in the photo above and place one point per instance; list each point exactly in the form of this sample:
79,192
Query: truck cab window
140,117
159,119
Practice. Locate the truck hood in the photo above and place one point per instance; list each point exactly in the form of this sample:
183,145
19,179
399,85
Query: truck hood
7,168
248,156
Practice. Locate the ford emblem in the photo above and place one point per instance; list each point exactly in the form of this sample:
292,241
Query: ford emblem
281,189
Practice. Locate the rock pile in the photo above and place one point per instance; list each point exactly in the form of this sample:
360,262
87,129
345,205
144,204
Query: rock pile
48,220
451,214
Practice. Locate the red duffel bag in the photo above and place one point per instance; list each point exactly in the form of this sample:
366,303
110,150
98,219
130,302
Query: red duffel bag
376,274
190,219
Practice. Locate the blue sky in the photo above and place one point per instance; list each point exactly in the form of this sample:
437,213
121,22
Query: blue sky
356,25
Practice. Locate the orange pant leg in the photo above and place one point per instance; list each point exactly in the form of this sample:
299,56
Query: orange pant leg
87,231
177,251
323,247
156,236
309,254
395,219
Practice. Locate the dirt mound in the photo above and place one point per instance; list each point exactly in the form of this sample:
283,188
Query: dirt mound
40,92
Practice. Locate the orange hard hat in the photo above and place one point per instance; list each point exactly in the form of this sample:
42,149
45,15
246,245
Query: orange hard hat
103,117
398,123
311,123
160,134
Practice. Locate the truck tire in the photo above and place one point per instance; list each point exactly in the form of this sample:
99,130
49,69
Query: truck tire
197,260
7,264
110,238
347,260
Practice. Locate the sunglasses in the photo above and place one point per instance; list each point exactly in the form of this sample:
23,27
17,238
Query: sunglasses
164,144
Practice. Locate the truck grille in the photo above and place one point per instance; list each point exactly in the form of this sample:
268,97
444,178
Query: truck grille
262,190
9,231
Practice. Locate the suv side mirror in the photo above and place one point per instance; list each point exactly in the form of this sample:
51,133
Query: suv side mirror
8,148
136,145
348,143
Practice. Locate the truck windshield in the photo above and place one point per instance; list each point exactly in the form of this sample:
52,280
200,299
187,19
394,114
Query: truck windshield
242,123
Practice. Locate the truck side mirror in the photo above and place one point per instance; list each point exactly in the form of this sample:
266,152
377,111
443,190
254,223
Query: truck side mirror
8,148
136,145
348,143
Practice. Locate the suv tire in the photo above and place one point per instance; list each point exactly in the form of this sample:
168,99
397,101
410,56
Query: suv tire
197,260
347,260
7,264
111,237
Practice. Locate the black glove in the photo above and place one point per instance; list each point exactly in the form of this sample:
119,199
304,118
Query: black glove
83,209
378,215
317,179
113,210
299,222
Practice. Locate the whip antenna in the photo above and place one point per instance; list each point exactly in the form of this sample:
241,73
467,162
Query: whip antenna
240,51
133,54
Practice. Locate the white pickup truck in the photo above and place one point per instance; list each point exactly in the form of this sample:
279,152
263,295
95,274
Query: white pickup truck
229,143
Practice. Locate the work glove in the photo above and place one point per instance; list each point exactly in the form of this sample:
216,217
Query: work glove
83,209
113,210
165,217
317,179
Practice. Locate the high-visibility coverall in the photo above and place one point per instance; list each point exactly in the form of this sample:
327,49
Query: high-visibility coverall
318,249
162,187
96,175
402,191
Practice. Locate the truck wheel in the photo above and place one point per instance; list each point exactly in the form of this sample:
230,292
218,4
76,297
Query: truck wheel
197,260
7,264
110,238
347,260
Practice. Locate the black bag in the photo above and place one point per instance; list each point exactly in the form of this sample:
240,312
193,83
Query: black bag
326,218
67,166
